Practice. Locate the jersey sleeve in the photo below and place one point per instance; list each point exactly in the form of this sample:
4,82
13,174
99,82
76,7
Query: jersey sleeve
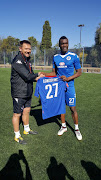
77,63
37,89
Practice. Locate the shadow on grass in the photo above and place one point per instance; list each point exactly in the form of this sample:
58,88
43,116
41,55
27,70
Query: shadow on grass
70,127
13,170
57,171
92,170
37,114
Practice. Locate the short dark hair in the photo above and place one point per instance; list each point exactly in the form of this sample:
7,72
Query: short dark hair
24,41
62,37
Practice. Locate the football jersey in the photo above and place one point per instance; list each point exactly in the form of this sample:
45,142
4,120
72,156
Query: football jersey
65,65
52,94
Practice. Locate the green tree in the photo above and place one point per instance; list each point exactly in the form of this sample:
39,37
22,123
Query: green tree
94,56
33,42
76,49
98,35
46,36
96,50
57,45
81,55
10,44
1,41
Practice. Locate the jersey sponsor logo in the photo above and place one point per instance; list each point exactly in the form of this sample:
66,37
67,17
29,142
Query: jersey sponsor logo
68,58
62,65
19,62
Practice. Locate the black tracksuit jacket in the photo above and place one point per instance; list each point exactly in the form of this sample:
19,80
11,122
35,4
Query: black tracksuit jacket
22,77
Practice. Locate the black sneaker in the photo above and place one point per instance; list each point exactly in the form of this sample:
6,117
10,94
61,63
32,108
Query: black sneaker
20,140
30,132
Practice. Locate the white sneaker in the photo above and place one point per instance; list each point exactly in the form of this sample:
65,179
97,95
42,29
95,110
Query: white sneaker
78,134
62,130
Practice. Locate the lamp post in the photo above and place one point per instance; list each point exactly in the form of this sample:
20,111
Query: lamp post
81,25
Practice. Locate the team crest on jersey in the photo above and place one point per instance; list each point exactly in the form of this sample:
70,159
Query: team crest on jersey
68,58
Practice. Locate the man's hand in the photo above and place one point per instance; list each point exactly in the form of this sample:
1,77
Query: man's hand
77,74
64,78
41,75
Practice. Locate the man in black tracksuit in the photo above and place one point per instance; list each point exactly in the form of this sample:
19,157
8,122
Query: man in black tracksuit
22,78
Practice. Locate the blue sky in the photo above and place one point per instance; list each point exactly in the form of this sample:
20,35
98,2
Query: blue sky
24,18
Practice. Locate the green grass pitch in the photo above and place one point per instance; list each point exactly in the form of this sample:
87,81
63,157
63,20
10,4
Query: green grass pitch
46,155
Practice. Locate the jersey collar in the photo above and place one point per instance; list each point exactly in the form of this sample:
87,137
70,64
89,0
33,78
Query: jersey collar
64,54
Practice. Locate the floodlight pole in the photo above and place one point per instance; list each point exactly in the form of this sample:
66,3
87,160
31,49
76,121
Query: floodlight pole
81,25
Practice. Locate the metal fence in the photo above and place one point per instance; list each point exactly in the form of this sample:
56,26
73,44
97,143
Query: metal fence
45,58
38,57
